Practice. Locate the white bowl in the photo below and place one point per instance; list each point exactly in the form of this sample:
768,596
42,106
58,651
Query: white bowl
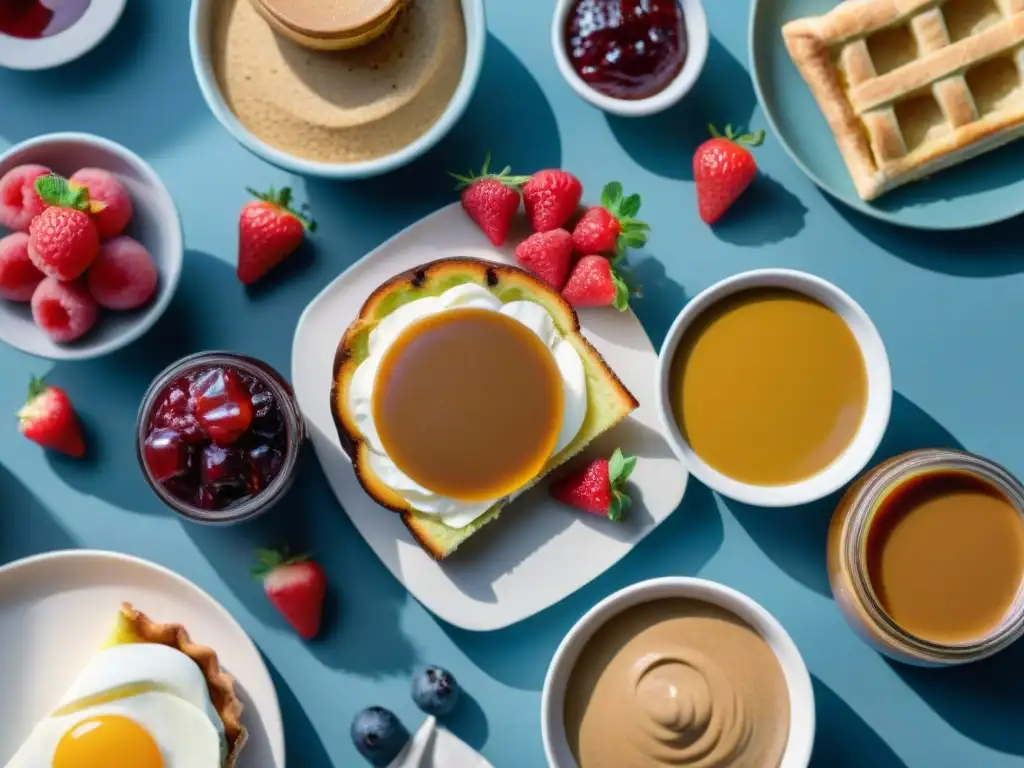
876,414
155,224
798,682
200,34
78,39
697,41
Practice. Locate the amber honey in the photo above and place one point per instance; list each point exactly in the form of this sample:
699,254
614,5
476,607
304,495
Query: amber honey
945,555
468,403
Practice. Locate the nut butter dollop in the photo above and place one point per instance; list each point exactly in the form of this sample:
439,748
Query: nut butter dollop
677,682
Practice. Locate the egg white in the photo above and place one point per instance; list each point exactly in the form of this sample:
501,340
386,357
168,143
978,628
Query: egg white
454,512
172,702
183,733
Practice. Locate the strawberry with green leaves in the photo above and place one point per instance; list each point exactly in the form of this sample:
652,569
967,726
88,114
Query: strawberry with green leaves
47,418
611,227
269,230
597,489
63,239
594,282
491,200
723,168
296,586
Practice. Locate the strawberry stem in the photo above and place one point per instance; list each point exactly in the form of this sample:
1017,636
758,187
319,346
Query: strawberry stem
58,192
268,560
504,176
283,199
36,387
738,136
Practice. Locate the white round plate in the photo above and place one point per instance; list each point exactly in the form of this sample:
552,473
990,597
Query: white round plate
78,39
539,551
57,609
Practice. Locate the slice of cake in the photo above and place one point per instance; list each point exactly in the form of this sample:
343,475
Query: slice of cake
592,399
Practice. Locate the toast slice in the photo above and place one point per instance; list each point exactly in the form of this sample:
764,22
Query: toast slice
608,400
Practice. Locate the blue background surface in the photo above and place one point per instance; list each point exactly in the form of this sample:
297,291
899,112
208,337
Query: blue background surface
947,306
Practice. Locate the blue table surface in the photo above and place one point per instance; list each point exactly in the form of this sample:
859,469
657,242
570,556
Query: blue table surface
948,307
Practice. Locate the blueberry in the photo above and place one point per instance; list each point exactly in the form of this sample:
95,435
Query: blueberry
378,735
435,691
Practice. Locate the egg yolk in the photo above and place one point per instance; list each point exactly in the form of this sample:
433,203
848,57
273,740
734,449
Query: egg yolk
107,741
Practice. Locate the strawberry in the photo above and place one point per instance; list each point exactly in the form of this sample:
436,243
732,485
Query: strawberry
548,255
597,489
269,231
296,586
610,226
594,283
551,197
491,199
48,419
63,239
723,168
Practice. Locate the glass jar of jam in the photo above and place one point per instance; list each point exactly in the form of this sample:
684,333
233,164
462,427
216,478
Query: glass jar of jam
926,557
218,436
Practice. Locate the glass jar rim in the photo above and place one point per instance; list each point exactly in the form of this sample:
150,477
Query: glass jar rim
294,427
854,547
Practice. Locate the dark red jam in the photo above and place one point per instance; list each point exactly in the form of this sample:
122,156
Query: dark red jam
216,437
626,49
32,19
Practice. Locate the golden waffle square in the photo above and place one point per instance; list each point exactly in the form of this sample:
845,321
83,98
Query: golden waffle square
910,87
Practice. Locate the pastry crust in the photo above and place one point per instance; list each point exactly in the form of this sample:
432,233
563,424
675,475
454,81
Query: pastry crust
220,683
921,115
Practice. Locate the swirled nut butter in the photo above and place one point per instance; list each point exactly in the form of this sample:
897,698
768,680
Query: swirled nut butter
677,682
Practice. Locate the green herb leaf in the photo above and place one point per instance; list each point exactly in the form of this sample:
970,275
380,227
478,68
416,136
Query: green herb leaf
56,191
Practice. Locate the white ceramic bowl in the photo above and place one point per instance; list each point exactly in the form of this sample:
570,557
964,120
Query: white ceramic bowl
798,681
155,224
876,414
200,24
697,41
78,39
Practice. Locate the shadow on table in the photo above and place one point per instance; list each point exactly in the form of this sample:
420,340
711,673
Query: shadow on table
795,538
987,252
519,131
308,520
979,700
146,55
302,743
766,213
468,721
843,739
518,656
27,527
664,143
661,299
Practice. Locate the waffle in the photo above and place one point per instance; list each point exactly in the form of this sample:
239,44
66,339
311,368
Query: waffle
910,87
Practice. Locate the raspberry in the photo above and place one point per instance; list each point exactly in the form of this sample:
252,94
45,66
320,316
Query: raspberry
123,275
63,242
64,311
19,201
18,275
104,188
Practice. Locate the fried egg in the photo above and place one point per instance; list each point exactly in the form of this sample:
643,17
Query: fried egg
458,513
133,706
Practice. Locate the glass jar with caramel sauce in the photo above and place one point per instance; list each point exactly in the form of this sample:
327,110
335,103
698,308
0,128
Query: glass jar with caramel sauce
926,557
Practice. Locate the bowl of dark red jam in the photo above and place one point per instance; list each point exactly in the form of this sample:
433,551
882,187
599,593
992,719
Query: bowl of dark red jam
219,437
630,57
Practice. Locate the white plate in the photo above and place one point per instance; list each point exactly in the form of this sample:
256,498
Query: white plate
57,609
538,552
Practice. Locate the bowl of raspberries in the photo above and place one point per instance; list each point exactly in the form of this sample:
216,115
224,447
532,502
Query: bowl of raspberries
91,246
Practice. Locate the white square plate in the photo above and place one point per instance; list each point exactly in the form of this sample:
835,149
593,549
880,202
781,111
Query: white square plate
538,552
57,609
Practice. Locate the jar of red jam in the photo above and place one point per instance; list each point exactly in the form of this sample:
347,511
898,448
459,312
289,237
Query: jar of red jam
219,436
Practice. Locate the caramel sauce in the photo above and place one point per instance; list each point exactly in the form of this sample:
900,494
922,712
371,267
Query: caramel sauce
768,386
945,556
468,403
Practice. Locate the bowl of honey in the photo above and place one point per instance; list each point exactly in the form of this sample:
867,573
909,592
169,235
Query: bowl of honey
774,387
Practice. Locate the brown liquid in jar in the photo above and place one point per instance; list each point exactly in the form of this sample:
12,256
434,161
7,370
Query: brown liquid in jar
945,556
468,403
